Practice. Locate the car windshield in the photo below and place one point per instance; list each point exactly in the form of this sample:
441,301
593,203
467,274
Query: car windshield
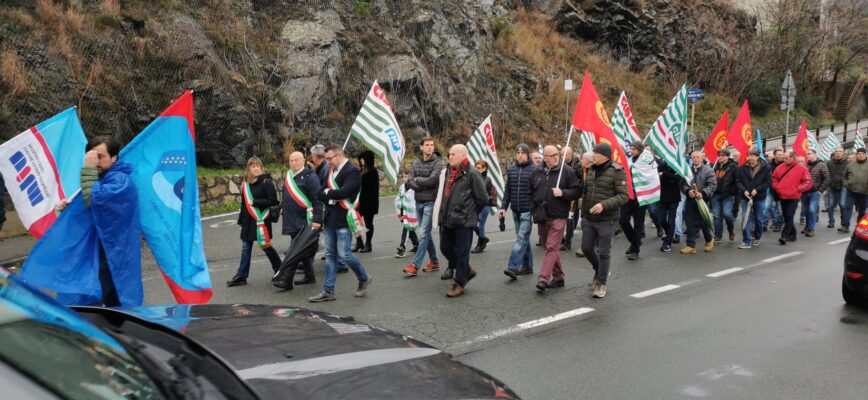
62,352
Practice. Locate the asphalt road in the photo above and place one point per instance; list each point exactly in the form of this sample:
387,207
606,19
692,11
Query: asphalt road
775,328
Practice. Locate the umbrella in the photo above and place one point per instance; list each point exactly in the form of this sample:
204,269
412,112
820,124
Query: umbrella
746,216
304,246
703,210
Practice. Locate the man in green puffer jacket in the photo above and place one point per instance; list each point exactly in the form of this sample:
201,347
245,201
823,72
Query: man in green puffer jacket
856,182
605,193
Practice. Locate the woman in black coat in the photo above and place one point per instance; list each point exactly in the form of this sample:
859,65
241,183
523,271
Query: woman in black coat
258,195
369,199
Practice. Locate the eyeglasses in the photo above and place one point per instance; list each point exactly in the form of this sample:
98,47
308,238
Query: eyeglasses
550,155
330,158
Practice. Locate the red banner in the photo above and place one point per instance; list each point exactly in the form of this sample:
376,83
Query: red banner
717,138
740,135
800,146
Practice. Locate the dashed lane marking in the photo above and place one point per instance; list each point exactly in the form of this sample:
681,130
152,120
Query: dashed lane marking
724,272
782,256
839,241
652,292
531,324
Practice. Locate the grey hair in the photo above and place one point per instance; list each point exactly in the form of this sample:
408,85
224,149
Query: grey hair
318,150
588,155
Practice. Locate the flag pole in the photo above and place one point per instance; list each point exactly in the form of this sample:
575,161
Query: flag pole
564,158
347,141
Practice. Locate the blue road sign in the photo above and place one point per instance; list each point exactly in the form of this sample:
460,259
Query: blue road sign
694,94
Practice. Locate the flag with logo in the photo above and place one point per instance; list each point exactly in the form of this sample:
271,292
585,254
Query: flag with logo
858,142
41,166
481,147
405,208
717,138
668,133
624,124
739,135
800,145
163,157
828,147
377,128
759,143
646,179
590,116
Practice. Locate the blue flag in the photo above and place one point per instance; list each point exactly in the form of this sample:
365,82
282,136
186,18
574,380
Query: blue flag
759,144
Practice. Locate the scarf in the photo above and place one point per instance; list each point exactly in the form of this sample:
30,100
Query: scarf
453,174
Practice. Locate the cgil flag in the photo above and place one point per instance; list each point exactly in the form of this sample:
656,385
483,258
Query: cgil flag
646,179
717,138
828,147
481,147
377,128
41,166
800,145
163,156
668,131
624,124
590,116
739,135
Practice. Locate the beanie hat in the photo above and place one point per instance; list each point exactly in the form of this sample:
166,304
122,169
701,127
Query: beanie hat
603,149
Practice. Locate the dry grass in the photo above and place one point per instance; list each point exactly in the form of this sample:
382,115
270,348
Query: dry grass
74,21
20,17
48,12
12,74
110,7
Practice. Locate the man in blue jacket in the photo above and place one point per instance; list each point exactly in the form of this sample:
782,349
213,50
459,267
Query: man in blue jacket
301,207
518,194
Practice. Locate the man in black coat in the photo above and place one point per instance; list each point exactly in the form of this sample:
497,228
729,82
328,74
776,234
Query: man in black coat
301,207
753,180
517,197
667,207
724,195
341,222
553,193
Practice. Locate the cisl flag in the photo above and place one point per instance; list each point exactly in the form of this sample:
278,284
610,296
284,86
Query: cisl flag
41,166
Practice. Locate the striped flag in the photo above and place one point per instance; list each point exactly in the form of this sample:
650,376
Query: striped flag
646,180
378,130
588,141
829,145
405,207
481,147
858,142
667,136
813,143
623,123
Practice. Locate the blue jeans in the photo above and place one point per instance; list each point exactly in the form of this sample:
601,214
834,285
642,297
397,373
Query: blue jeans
521,255
857,200
337,252
811,207
756,221
773,212
721,208
425,213
679,215
837,198
246,250
483,218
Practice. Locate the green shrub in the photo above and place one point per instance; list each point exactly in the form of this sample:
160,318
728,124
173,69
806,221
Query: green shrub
362,9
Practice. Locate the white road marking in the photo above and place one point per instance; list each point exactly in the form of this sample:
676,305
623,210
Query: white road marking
219,216
652,292
782,256
222,223
724,272
839,241
532,324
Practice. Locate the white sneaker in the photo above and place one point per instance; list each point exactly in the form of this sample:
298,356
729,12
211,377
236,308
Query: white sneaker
745,245
600,291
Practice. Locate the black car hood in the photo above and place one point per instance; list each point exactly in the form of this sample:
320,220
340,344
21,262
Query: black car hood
295,353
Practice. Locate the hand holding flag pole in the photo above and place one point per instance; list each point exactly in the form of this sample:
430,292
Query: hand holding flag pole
564,158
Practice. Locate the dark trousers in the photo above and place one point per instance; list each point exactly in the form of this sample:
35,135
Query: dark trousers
571,226
632,211
369,223
244,264
788,208
455,245
413,238
695,223
666,215
109,291
598,234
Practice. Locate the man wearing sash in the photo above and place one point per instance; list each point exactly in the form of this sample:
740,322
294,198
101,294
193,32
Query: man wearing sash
342,222
301,207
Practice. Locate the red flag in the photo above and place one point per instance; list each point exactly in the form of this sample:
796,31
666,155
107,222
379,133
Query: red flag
800,146
717,138
739,135
590,116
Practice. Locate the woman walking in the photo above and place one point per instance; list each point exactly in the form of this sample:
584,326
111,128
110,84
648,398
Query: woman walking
482,166
258,196
369,199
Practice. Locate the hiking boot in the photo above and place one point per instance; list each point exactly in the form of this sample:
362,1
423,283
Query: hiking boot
401,253
524,271
236,281
411,270
809,233
456,291
541,286
688,250
363,288
448,274
556,283
745,245
510,273
432,266
321,297
600,291
708,246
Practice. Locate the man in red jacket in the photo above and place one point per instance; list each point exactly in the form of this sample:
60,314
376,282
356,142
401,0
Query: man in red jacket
790,180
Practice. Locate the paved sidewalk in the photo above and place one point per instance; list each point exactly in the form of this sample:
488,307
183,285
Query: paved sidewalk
15,248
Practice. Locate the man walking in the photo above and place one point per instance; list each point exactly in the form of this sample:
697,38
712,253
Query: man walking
667,207
773,202
423,179
702,188
811,199
752,181
517,196
856,181
724,195
574,164
341,190
301,207
836,195
586,163
318,163
632,211
553,192
605,192
460,198
789,181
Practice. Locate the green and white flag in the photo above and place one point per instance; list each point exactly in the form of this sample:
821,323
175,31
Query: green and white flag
828,147
588,141
646,180
858,142
377,128
812,142
624,125
481,147
668,135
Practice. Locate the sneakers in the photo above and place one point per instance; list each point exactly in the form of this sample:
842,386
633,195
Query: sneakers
411,270
321,297
708,246
745,245
236,281
510,273
688,250
600,291
363,288
401,253
448,274
432,266
524,271
456,291
665,248
556,283
809,233
633,256
844,229
541,286
755,243
718,239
